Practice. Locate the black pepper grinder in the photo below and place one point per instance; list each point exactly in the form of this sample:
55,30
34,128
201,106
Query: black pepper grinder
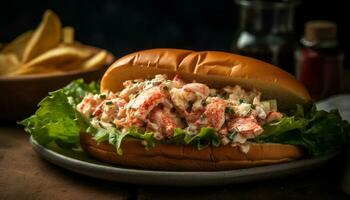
319,60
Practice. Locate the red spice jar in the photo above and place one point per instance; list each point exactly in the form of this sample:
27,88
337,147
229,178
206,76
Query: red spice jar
319,59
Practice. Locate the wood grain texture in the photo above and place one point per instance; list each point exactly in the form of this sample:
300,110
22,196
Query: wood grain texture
320,184
24,175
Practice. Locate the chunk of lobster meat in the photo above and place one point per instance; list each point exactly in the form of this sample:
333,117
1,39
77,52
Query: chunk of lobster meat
198,89
248,127
215,113
178,82
109,109
273,116
243,109
146,101
89,104
188,100
194,115
130,88
120,102
223,131
129,122
106,104
165,121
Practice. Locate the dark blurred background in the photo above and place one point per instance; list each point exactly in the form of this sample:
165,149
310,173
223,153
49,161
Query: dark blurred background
126,26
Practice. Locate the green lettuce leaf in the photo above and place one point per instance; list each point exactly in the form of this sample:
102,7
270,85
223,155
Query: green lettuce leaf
317,132
205,137
141,134
115,137
56,119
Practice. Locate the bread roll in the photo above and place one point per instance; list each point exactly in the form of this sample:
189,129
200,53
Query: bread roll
186,157
216,69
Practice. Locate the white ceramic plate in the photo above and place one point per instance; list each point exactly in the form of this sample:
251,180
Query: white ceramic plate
87,166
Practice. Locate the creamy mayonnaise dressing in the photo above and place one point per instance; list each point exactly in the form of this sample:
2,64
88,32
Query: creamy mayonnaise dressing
160,105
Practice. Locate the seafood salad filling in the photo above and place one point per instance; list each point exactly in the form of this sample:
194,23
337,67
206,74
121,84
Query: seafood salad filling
161,107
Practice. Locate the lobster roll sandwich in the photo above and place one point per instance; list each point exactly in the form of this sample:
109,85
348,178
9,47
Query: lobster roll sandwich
181,110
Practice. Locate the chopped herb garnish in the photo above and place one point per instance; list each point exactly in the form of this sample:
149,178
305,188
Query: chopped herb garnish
252,106
233,135
109,103
240,101
133,81
229,111
102,96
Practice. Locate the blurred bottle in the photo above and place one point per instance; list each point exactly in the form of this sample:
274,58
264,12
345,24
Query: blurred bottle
266,32
319,59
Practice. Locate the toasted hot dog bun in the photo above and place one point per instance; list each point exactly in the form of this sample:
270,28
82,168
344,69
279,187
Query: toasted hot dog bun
186,157
216,69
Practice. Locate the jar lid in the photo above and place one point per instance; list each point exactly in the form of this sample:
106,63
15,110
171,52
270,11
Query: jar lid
320,30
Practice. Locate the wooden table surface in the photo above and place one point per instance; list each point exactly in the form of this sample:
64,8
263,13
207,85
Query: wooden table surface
24,175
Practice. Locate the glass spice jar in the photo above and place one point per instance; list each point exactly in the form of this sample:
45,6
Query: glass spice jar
319,59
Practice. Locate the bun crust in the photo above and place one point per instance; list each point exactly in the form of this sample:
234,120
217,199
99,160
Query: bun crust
188,158
216,69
